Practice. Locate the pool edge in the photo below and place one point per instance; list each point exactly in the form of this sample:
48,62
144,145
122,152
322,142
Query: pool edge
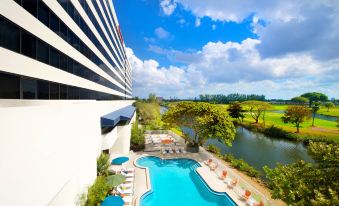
148,180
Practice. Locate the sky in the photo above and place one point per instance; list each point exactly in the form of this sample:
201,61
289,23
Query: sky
279,48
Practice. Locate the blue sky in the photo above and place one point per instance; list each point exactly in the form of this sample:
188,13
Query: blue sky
183,48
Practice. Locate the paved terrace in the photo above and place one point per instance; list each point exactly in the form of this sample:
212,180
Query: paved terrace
143,183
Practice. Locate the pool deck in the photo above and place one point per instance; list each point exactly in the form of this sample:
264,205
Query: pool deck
217,185
142,182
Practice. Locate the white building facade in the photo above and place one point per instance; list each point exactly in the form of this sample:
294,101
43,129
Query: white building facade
65,97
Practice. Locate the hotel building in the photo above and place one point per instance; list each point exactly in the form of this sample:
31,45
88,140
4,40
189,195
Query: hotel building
65,97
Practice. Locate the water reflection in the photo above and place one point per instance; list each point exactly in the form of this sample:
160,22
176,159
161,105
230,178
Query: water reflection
259,150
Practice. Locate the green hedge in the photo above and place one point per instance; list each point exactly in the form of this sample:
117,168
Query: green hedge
214,149
97,192
137,137
241,165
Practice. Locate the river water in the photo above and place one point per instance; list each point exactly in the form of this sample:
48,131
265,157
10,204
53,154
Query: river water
259,150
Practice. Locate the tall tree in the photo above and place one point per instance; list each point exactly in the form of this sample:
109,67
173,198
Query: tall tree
329,105
315,97
206,120
256,109
235,110
296,115
152,98
300,100
315,108
303,183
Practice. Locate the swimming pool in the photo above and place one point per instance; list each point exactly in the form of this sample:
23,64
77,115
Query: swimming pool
175,182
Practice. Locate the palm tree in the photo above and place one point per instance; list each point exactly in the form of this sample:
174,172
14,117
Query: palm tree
315,109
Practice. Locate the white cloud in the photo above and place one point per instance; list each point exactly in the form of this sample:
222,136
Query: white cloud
197,22
233,67
214,27
161,33
168,6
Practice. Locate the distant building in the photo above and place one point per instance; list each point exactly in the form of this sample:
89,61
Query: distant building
57,59
160,99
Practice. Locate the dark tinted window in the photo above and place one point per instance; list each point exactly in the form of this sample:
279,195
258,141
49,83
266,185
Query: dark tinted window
9,35
63,62
28,44
70,65
63,91
43,90
42,52
9,86
30,6
43,14
28,88
54,91
54,57
63,31
54,22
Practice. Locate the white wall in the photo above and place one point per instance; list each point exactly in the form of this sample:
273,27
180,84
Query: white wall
48,149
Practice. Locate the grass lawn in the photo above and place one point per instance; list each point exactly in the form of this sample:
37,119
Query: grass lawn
323,128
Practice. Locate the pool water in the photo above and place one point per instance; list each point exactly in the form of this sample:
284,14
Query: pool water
175,182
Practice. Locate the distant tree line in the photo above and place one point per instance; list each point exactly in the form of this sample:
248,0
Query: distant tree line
225,99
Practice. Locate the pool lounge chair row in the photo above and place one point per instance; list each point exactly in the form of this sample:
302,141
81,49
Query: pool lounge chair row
174,150
231,183
126,189
212,165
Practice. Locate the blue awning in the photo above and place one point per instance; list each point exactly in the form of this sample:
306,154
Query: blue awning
121,115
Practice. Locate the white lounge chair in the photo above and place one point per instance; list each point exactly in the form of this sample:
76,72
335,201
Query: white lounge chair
124,191
127,185
129,179
127,174
127,200
128,169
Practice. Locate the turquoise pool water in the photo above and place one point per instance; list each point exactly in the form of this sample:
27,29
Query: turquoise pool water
176,183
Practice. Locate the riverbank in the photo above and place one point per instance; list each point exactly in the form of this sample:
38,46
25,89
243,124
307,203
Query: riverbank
305,135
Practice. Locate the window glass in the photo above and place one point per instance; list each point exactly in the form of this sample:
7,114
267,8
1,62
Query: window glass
28,88
43,90
28,45
70,65
9,35
63,91
63,62
54,57
63,30
54,22
43,13
63,3
42,52
9,86
30,6
54,91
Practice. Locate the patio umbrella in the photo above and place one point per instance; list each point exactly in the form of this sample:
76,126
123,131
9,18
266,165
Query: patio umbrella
119,160
115,180
113,200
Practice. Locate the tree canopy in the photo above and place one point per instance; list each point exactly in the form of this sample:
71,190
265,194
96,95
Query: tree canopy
223,99
329,105
256,109
300,100
206,120
235,110
315,96
296,115
304,183
315,108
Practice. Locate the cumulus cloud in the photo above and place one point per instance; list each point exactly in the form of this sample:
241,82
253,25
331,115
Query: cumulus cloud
161,33
291,26
232,67
197,22
168,6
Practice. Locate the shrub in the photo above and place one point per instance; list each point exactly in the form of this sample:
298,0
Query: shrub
214,149
102,164
97,192
137,137
241,165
